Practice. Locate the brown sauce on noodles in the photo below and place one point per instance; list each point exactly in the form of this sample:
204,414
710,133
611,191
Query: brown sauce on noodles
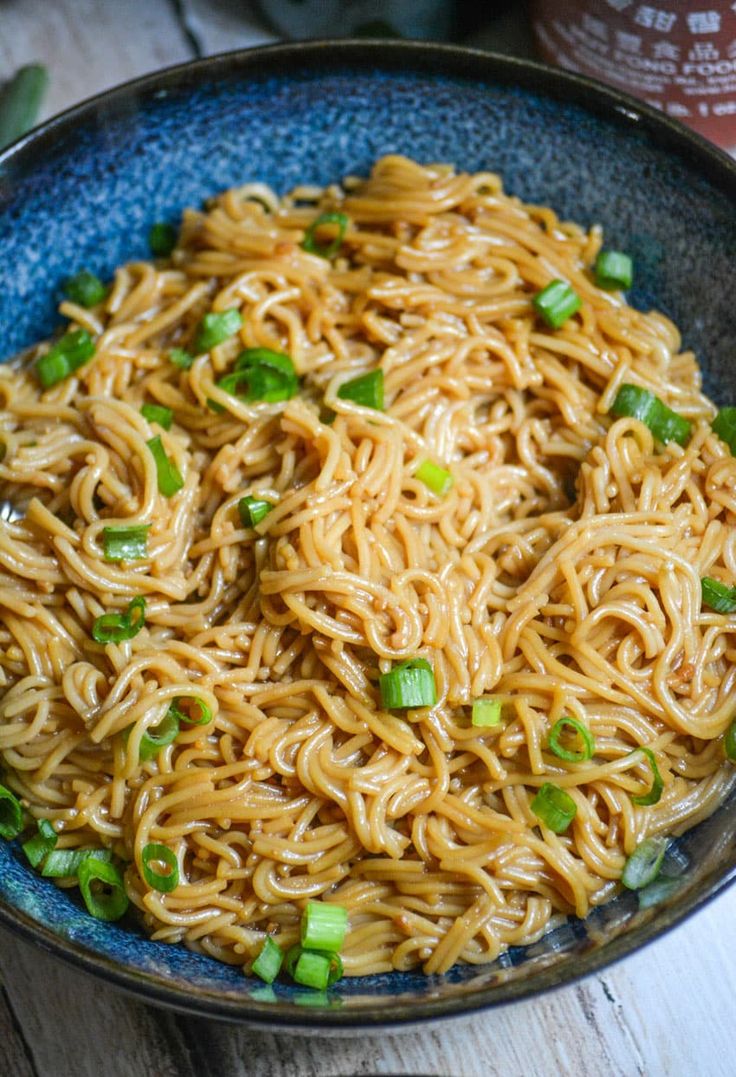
561,574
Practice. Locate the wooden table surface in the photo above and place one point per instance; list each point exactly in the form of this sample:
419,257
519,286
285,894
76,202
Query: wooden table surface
667,1010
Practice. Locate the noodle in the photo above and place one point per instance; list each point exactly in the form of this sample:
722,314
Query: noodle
560,574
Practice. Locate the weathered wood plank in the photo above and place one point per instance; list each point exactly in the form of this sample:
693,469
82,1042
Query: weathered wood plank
16,1059
79,1027
88,45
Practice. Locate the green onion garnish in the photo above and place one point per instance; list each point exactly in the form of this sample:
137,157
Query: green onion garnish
724,425
717,595
313,968
162,239
169,476
73,350
158,737
556,303
40,845
486,712
435,478
614,269
205,713
108,900
657,784
181,358
216,327
116,627
408,684
125,543
310,242
588,744
665,424
11,814
554,807
643,865
157,413
252,510
367,390
729,742
324,926
261,374
64,863
20,102
85,289
167,880
268,963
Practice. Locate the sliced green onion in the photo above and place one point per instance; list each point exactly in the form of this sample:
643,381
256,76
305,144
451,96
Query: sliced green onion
486,712
125,543
435,478
108,901
312,970
157,413
11,814
85,289
40,845
310,242
719,596
324,926
205,713
64,863
657,891
162,238
588,744
268,963
614,269
554,807
724,425
729,742
408,684
657,784
665,424
181,358
258,385
642,867
261,374
116,627
169,476
216,327
20,102
158,737
164,881
367,390
313,973
73,350
252,510
556,303
267,358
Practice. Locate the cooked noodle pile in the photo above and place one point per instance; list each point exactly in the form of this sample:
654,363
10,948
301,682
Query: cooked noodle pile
560,574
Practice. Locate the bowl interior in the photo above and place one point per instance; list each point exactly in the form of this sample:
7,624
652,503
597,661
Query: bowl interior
84,191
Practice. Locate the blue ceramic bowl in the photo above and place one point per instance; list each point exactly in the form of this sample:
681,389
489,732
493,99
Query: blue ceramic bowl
83,190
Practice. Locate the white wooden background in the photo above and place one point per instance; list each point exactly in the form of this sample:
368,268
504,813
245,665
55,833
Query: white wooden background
665,1012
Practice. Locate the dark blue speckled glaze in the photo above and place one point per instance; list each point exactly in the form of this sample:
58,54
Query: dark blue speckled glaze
83,190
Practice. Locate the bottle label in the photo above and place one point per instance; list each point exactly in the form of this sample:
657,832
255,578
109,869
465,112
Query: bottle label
680,57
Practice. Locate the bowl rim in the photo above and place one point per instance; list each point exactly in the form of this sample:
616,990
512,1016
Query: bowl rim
379,55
